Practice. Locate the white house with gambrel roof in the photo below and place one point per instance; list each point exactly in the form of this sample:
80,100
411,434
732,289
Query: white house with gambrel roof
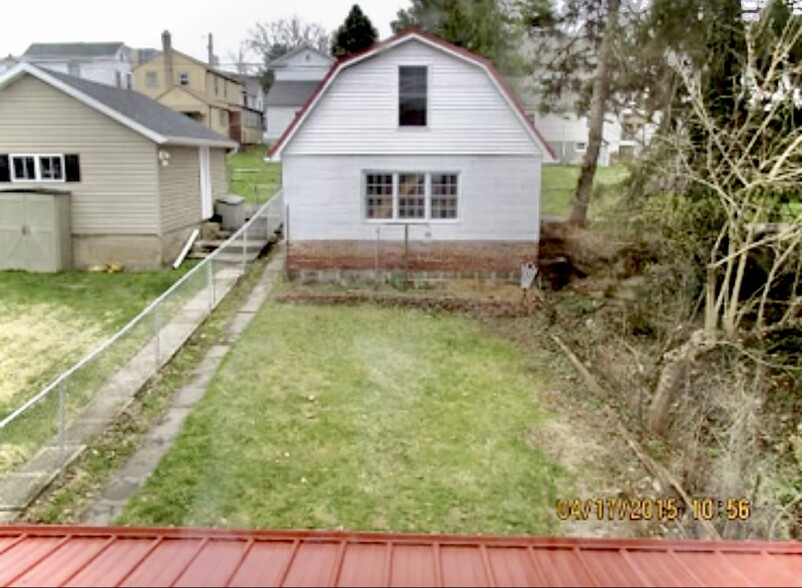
413,154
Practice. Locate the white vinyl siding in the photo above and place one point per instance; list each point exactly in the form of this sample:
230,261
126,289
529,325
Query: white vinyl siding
358,114
118,191
179,185
499,197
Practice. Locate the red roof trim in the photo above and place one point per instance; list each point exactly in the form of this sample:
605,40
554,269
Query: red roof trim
413,32
611,544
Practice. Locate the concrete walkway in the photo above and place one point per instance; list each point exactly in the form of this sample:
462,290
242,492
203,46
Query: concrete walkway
160,438
21,487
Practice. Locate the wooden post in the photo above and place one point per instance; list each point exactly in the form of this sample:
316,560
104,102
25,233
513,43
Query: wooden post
406,254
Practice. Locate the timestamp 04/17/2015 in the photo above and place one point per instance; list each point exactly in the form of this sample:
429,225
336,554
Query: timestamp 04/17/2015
652,509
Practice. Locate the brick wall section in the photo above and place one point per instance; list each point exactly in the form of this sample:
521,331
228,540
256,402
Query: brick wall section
457,257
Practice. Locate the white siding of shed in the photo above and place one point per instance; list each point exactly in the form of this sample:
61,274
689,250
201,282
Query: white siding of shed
179,185
118,191
499,197
358,114
279,118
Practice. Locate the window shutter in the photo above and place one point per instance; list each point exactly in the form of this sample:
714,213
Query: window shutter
72,168
5,168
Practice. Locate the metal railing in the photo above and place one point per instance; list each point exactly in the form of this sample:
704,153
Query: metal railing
135,352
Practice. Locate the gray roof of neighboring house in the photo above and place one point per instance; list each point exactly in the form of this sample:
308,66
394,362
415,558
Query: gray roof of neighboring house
290,93
77,50
142,110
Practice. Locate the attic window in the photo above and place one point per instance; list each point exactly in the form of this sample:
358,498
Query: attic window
183,79
152,79
412,96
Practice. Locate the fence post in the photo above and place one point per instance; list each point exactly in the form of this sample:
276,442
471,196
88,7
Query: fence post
244,249
62,433
210,283
156,333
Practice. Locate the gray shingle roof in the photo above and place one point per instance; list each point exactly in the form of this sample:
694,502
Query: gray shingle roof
141,109
290,93
80,50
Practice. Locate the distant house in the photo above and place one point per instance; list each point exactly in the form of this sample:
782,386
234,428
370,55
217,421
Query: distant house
295,77
7,63
413,154
139,176
254,98
104,63
206,94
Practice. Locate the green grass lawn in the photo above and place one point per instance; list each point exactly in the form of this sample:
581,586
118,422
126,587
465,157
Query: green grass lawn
47,323
559,185
365,419
250,176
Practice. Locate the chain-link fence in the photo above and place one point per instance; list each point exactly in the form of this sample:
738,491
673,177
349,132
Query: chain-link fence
49,429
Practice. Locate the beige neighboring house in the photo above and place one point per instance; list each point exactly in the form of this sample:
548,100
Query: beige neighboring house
204,93
139,177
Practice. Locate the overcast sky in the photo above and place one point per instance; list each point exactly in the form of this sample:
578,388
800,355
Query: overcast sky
139,23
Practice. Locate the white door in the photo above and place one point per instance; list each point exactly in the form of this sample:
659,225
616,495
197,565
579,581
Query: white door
207,209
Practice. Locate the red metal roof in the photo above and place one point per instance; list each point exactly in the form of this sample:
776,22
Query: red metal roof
380,46
62,556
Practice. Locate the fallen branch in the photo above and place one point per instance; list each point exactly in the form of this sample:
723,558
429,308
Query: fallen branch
654,467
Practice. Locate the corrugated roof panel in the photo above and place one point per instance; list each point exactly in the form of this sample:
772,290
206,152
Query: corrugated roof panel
89,557
25,555
365,565
114,563
266,564
464,566
562,567
712,569
215,564
164,564
660,569
763,569
413,565
611,568
513,566
63,563
793,564
315,564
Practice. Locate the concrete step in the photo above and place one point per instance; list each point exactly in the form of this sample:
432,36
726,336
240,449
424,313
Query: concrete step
228,256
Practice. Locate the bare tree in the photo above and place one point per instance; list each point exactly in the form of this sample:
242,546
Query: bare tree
271,39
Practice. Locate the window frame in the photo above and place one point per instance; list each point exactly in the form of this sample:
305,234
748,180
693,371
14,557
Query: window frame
395,219
181,76
579,149
37,167
152,76
427,112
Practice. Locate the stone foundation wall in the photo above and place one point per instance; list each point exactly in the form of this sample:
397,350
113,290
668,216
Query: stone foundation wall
339,260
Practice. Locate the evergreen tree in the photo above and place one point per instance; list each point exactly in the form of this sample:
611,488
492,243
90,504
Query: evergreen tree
354,35
485,27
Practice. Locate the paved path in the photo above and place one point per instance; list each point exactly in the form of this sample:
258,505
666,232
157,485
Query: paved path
21,487
160,438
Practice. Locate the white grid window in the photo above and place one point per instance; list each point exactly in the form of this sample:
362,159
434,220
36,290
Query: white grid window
51,168
379,196
152,79
37,168
411,196
24,168
444,196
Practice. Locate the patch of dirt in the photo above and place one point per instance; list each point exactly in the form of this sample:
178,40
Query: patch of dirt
474,305
34,338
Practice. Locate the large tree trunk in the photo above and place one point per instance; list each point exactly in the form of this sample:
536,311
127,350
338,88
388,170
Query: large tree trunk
598,106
